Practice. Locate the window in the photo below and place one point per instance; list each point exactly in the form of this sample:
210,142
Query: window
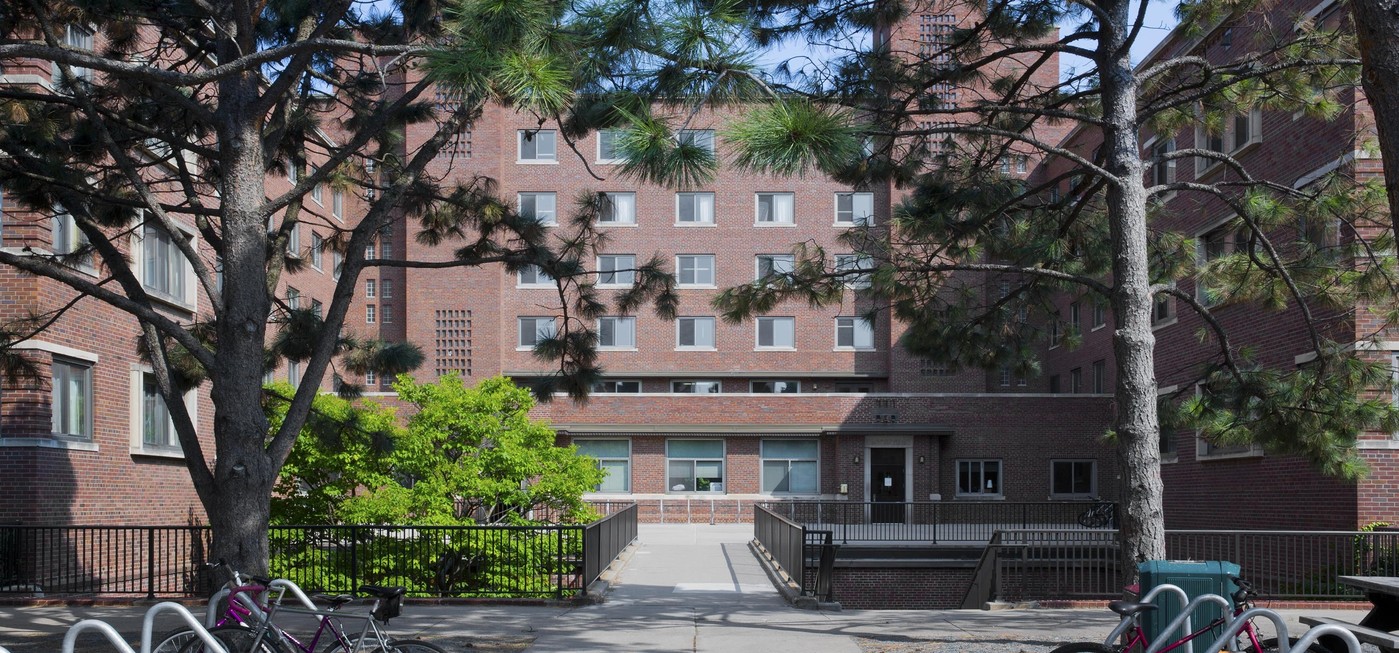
608,146
77,37
695,270
386,288
790,467
978,478
370,251
1100,376
1213,245
1073,479
294,373
614,458
337,203
694,333
1100,314
294,241
616,270
930,367
1005,376
1075,314
540,207
67,237
72,399
293,173
534,330
386,313
774,264
616,387
1163,310
1076,380
694,208
855,209
1204,448
695,465
293,298
371,378
369,288
695,387
163,271
775,387
777,333
1056,330
776,209
1054,384
157,426
369,314
337,263
616,333
316,193
1236,133
618,208
857,268
316,309
701,138
533,275
854,333
537,146
317,250
1161,172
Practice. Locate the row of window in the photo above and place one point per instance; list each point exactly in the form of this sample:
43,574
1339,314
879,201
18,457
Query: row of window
698,270
542,145
697,209
698,333
72,407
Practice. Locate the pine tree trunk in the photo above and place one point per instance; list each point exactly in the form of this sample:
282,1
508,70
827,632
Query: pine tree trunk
1377,30
1138,432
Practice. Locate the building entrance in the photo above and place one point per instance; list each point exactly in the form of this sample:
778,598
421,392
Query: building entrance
887,485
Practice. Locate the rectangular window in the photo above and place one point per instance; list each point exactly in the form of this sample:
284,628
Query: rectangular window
1213,245
77,37
777,333
1100,377
293,298
694,208
533,275
371,378
1163,309
774,264
608,146
616,387
694,333
157,427
337,203
369,314
616,333
1162,172
66,236
616,270
695,270
294,241
294,373
701,138
1054,384
540,207
370,286
534,330
1076,380
695,466
776,209
316,193
537,146
386,288
164,269
1005,376
1238,132
790,467
386,313
337,263
855,209
370,251
856,268
775,387
618,208
1075,314
1100,314
1073,479
614,458
979,478
316,309
854,333
72,399
317,250
695,387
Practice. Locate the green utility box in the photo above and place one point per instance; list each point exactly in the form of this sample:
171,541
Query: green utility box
1196,577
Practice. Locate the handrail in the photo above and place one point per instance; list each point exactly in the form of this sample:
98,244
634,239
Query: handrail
147,627
1285,644
1148,598
1229,619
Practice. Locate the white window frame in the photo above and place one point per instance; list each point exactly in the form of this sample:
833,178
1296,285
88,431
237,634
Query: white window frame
619,267
1230,142
1158,175
773,260
1230,245
1092,478
612,387
618,321
386,289
610,216
795,385
758,212
553,213
62,223
60,403
775,321
850,218
140,374
612,134
551,159
186,294
317,251
763,461
86,39
723,465
626,483
370,288
370,313
694,199
539,334
980,469
534,276
317,193
698,137
679,322
695,268
848,262
849,322
337,204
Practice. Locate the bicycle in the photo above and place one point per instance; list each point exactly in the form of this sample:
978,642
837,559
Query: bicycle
1136,641
1098,515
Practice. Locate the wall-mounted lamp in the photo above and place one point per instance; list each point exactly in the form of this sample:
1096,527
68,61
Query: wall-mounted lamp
921,460
857,459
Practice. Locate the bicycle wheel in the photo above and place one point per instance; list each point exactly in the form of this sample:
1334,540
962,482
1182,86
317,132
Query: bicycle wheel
1093,518
173,641
235,639
1084,647
411,646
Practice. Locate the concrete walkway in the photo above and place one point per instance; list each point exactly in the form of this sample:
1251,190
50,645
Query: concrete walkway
683,588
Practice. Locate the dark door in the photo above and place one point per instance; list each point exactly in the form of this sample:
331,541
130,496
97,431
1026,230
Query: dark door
887,486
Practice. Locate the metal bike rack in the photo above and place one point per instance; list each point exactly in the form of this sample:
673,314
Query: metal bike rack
211,612
147,626
1284,641
1150,597
1165,636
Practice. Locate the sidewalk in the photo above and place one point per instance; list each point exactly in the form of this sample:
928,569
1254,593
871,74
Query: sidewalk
683,588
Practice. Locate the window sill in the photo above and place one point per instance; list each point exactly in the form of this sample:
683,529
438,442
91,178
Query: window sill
536,162
170,302
1207,457
981,497
46,443
691,286
1170,459
531,286
600,223
774,224
167,454
1162,325
696,349
694,225
854,349
851,225
609,162
1097,328
617,349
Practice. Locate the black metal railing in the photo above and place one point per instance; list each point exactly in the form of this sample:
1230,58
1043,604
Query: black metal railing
439,561
934,522
784,540
603,541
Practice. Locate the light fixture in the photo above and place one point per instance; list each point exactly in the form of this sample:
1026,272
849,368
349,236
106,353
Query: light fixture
921,460
857,459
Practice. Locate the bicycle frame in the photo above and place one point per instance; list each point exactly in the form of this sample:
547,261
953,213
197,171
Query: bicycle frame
1139,639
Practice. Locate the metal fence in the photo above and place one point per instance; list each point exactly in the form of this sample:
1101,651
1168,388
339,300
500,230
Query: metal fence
937,522
441,561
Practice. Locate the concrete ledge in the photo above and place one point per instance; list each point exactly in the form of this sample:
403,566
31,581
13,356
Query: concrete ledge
790,591
597,591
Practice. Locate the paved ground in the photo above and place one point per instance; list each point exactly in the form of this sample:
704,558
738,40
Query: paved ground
684,588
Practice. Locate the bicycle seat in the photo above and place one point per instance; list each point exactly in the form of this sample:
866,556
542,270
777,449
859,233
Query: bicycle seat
384,592
334,601
1130,608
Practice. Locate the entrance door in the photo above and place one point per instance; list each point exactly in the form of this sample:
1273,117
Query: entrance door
887,485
